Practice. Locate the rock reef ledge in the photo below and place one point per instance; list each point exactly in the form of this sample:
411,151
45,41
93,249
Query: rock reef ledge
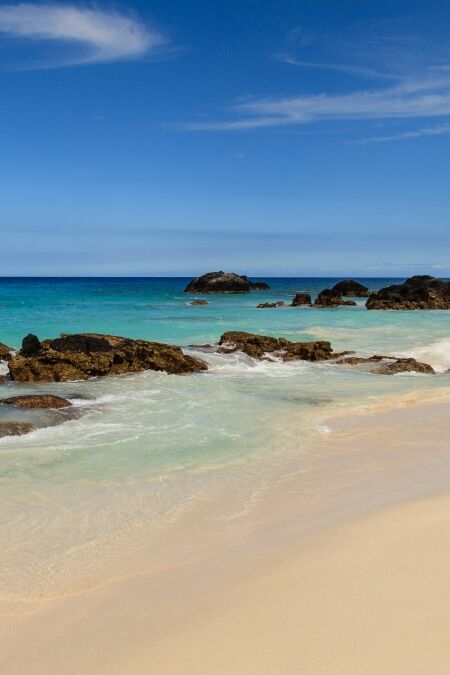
224,282
350,287
329,297
85,355
418,292
258,346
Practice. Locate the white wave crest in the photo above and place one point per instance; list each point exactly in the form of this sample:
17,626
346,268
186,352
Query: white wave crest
437,354
4,370
238,363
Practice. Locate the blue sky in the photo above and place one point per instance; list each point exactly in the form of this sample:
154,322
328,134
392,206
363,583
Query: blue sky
180,136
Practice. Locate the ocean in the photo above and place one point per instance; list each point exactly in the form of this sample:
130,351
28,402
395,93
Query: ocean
143,462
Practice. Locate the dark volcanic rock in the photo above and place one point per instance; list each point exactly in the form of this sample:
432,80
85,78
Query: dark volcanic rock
419,292
258,346
195,303
11,428
301,299
85,355
403,366
351,287
37,401
331,298
30,345
265,305
5,352
224,282
259,285
388,365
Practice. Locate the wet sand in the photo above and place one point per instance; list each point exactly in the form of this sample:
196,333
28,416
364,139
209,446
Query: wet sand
365,591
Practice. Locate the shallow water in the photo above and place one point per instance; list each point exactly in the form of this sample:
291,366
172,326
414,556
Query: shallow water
141,455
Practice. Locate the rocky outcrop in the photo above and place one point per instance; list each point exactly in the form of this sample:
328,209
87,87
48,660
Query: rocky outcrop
419,292
403,366
37,401
301,299
85,355
196,303
387,365
331,298
30,345
349,287
12,428
265,305
5,352
224,282
258,346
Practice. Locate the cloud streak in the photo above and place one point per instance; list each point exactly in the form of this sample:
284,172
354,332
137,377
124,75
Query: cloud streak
413,84
361,71
437,130
99,36
424,96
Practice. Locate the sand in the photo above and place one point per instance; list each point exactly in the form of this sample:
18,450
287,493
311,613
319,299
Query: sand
368,593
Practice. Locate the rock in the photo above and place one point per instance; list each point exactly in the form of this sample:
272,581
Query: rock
403,366
2,379
360,360
37,401
11,428
195,303
388,365
331,298
5,352
259,285
418,292
350,287
224,282
257,346
30,345
85,355
265,305
301,299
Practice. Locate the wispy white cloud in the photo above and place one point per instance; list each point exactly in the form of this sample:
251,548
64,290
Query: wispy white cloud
423,96
437,130
405,79
351,69
99,36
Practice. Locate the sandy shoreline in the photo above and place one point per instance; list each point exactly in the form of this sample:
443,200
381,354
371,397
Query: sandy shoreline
366,592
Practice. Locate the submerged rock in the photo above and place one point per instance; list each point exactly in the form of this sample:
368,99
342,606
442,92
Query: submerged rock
301,299
418,292
257,346
37,401
351,287
224,282
403,366
85,355
12,428
266,305
331,298
388,365
5,352
195,303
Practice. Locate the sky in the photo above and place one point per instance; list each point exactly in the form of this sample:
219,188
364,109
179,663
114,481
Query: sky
268,137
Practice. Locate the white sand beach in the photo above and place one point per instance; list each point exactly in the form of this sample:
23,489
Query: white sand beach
365,593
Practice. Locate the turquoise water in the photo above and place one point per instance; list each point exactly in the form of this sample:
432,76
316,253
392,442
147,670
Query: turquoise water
139,453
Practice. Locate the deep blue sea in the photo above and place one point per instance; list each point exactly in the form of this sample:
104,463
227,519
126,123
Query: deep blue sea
143,453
